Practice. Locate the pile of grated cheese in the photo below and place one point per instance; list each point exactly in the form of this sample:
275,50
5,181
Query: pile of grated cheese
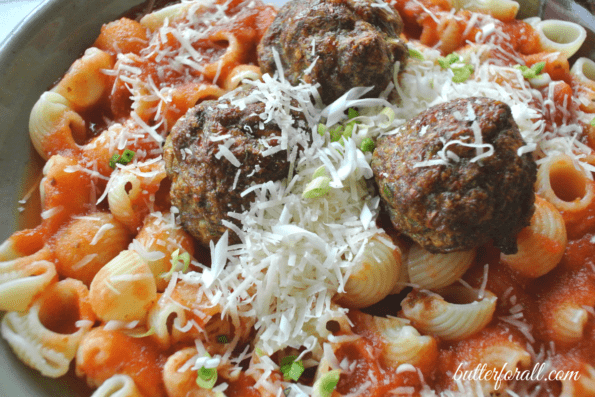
296,253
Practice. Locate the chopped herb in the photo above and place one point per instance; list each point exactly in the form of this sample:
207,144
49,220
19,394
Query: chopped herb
321,129
327,383
259,352
448,60
349,129
207,377
413,53
352,113
112,161
320,171
176,257
462,74
538,67
143,335
531,72
336,133
124,159
593,122
292,369
127,157
320,186
367,145
222,339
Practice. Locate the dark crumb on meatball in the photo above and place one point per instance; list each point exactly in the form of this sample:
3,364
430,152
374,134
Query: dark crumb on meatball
463,204
202,184
356,45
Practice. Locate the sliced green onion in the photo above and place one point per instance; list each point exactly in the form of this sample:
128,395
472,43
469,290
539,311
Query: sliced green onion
336,133
352,113
462,74
292,369
532,72
367,145
207,377
538,67
143,335
320,171
413,53
185,258
175,258
390,114
259,352
448,60
321,128
112,161
126,157
319,187
326,384
593,122
348,130
222,339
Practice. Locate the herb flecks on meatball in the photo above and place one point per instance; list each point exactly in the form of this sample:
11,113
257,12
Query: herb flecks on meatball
470,194
339,44
206,185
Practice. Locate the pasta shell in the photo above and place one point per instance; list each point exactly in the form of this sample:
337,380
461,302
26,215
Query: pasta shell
584,69
561,36
129,192
52,119
40,347
118,386
8,251
159,237
166,319
156,19
125,187
85,245
124,289
23,279
402,343
568,323
505,10
541,245
433,314
375,272
432,271
240,73
85,82
565,185
182,383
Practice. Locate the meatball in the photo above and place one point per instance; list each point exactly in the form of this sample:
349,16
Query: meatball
349,42
205,184
467,201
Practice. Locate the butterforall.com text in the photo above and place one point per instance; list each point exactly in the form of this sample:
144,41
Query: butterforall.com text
538,373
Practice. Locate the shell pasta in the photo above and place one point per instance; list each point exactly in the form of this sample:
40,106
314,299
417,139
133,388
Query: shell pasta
334,198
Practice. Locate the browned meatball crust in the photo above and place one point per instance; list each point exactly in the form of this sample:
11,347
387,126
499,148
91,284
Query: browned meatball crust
203,184
462,204
355,45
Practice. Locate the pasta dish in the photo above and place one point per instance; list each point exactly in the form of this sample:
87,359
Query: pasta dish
334,198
